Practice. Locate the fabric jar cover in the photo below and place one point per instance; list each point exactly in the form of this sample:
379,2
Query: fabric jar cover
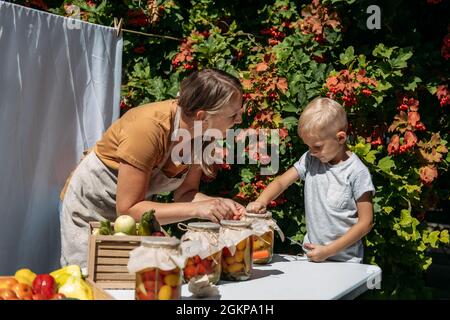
157,252
234,231
262,223
201,238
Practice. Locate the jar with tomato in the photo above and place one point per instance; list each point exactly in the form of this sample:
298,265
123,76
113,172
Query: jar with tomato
200,244
157,264
236,235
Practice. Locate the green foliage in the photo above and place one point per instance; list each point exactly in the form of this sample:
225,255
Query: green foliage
391,82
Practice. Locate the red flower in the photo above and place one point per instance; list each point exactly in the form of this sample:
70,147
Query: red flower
366,92
428,174
420,126
283,133
139,50
410,139
123,105
403,107
394,145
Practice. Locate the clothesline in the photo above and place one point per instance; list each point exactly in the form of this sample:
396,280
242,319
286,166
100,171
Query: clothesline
118,27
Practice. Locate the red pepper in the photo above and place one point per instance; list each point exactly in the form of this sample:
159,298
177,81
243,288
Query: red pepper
45,284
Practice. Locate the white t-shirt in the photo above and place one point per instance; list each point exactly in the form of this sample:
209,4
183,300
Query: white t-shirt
331,192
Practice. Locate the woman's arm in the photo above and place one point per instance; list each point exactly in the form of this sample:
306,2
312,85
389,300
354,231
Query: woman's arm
355,233
188,191
132,184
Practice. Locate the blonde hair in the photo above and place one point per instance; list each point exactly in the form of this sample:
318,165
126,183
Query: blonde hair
208,90
321,117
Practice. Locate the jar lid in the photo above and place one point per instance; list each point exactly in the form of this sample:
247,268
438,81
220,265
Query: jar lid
266,215
235,223
168,242
204,226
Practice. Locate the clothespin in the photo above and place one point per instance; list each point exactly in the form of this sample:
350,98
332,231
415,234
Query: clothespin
118,26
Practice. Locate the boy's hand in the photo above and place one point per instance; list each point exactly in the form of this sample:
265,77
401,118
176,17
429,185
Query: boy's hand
317,252
256,207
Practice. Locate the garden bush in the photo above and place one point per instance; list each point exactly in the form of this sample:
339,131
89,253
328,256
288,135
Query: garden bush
393,82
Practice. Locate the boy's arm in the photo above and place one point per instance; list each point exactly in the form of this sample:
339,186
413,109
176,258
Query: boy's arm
355,233
273,190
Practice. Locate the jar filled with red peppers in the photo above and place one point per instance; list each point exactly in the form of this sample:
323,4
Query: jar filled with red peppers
237,254
200,244
158,264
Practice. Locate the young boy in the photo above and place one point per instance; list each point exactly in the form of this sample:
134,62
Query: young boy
338,186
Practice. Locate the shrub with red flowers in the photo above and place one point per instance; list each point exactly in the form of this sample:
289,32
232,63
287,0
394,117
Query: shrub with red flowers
286,53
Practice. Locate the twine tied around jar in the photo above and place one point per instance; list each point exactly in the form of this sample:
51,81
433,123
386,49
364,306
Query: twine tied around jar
201,238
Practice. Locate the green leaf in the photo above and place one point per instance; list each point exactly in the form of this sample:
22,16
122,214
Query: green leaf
290,122
382,51
399,62
247,175
388,209
433,238
405,218
290,107
443,237
413,84
386,164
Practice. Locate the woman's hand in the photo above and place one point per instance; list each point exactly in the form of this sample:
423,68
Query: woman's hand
213,209
256,207
216,209
237,209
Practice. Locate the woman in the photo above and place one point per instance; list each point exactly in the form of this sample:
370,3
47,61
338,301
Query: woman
132,162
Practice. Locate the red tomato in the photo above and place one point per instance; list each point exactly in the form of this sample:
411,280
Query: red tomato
190,272
207,265
151,276
39,296
151,285
197,260
226,252
175,293
149,296
201,269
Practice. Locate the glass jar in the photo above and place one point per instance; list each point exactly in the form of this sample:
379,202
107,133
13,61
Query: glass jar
263,244
157,284
237,266
211,265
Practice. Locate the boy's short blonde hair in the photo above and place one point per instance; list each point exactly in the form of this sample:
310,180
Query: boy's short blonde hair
321,117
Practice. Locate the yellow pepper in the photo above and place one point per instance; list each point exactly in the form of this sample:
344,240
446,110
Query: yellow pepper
25,276
63,274
77,288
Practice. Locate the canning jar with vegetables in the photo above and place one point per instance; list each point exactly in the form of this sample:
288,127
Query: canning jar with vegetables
158,263
200,244
236,237
263,239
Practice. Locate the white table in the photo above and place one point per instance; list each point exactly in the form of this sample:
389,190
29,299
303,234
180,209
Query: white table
292,278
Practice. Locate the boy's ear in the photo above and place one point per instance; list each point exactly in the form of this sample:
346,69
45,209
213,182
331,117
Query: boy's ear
341,136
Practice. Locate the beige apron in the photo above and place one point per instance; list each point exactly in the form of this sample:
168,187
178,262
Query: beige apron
91,196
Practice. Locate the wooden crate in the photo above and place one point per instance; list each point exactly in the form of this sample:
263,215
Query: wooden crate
98,292
108,259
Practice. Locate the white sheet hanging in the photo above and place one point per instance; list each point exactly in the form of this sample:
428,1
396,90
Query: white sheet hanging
59,91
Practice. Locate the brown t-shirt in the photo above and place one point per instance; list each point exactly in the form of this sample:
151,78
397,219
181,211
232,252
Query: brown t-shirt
141,137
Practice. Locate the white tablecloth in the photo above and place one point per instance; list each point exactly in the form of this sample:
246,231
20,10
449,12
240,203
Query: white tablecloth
293,278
